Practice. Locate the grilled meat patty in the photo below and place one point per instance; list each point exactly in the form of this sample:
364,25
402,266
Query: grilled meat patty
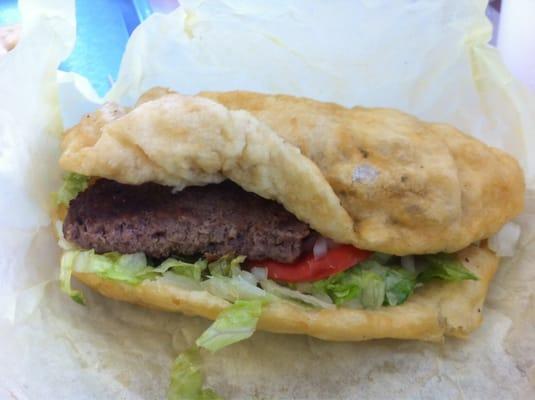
211,220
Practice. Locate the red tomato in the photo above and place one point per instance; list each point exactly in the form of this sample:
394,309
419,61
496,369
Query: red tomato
306,268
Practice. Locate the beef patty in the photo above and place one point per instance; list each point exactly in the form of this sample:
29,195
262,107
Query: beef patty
212,220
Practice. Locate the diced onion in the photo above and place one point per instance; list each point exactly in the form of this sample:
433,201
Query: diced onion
320,248
260,273
249,277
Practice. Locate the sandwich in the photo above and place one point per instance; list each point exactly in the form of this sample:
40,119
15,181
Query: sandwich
299,216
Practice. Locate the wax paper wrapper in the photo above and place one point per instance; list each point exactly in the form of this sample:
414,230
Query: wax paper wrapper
429,58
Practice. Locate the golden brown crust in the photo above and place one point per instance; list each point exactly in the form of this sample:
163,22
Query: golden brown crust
436,310
379,179
181,141
435,189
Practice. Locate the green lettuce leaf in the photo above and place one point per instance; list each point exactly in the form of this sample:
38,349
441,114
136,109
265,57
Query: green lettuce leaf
187,379
369,284
399,282
341,288
72,185
235,323
372,288
444,266
190,270
128,268
399,285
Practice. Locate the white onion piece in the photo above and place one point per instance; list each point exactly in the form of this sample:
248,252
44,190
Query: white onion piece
407,262
260,273
320,248
249,277
504,242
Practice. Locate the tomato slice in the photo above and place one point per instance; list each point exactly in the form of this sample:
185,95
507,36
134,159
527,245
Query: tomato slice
307,268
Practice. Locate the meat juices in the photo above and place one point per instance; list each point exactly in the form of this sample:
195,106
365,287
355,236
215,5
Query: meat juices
212,221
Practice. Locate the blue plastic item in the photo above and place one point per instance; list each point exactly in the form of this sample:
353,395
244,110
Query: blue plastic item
103,28
9,12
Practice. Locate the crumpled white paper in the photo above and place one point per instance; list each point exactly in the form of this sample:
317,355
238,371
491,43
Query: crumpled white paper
427,58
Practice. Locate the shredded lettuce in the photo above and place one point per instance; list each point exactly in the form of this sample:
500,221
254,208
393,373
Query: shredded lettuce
399,285
444,266
228,281
369,285
235,323
179,281
128,268
361,285
190,270
292,294
232,289
379,281
373,289
372,283
187,378
341,288
226,266
72,185
66,265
